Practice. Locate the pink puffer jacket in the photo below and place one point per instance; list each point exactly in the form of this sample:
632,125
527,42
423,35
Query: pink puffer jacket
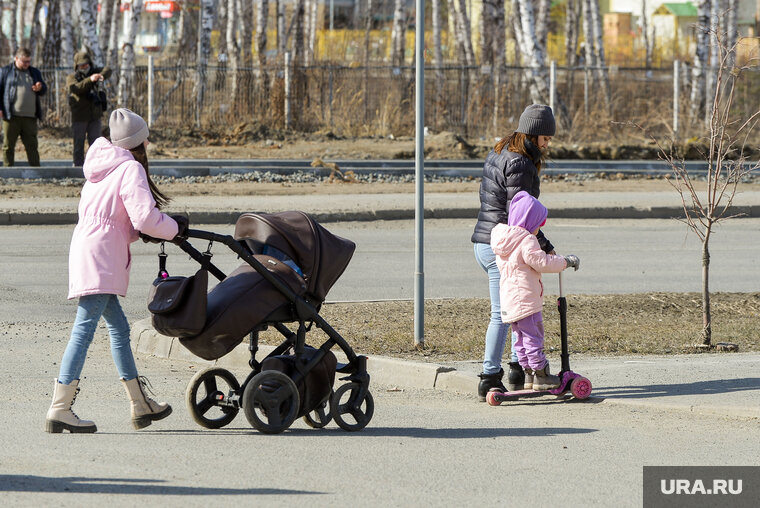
116,204
521,262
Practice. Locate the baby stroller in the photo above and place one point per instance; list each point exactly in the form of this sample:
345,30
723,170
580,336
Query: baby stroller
290,263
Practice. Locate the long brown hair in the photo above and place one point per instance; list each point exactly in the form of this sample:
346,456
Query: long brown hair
515,143
141,156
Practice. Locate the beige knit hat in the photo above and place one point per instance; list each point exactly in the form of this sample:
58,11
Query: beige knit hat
128,129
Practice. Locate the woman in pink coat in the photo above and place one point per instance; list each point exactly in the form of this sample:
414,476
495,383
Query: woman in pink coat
521,262
119,202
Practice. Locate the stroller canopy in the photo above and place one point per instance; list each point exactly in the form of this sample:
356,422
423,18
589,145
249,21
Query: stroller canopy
321,255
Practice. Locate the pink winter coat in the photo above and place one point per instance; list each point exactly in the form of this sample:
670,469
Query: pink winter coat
521,262
116,204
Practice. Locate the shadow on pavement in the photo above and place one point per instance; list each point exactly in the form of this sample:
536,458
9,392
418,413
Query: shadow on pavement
669,390
141,486
416,432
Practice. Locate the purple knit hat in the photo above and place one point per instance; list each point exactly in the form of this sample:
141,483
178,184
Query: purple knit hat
526,212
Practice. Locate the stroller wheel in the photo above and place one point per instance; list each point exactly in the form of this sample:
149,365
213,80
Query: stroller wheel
318,417
360,410
204,395
271,401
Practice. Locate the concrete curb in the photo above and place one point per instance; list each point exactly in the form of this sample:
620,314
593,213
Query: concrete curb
230,217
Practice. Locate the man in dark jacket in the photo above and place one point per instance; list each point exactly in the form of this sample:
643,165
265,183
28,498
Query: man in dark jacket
87,101
21,86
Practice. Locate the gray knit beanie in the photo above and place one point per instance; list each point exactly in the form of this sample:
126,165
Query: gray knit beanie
128,130
537,120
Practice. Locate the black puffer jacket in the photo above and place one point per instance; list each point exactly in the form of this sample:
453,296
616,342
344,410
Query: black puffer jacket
504,175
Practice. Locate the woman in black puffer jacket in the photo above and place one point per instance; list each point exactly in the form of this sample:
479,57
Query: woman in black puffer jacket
513,165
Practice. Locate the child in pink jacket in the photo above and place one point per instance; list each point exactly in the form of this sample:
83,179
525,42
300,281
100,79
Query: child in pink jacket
119,202
521,262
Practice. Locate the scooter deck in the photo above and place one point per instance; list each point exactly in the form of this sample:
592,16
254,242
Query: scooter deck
582,391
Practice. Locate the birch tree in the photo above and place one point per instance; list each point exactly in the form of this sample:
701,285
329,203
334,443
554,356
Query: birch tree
51,47
36,29
437,47
67,32
571,35
206,22
20,21
700,59
311,31
127,64
542,23
398,34
246,36
282,38
645,34
536,68
13,41
262,18
601,69
232,44
88,28
464,32
113,40
104,23
487,32
367,29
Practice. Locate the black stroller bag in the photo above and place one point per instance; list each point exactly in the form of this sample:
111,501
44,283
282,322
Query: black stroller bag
315,388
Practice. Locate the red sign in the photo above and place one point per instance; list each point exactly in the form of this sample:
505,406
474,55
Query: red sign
156,6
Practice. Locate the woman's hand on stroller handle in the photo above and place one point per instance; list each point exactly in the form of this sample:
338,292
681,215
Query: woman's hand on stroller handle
573,260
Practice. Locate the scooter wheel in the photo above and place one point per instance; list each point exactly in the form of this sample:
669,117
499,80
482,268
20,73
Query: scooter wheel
580,388
491,399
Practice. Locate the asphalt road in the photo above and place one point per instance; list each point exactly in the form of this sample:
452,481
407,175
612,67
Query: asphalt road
422,448
617,256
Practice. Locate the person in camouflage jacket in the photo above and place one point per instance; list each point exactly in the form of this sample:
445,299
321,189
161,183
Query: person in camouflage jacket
87,100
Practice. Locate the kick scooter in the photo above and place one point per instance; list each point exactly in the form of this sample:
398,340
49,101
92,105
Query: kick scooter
576,384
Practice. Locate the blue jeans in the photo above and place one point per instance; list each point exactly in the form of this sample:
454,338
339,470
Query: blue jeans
496,334
89,311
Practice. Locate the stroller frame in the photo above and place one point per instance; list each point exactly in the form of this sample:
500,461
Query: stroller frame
271,392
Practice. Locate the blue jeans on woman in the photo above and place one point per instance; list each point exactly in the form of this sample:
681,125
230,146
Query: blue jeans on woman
496,334
89,311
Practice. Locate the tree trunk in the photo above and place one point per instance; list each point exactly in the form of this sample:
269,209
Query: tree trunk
233,49
127,64
398,34
20,22
465,32
298,42
262,18
13,41
51,47
367,29
246,36
35,32
437,42
571,34
516,32
67,34
113,39
536,71
206,13
700,60
542,24
706,315
645,35
104,22
311,19
731,31
282,38
487,32
88,28
711,75
596,26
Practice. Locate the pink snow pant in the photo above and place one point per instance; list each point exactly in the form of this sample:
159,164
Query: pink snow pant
530,341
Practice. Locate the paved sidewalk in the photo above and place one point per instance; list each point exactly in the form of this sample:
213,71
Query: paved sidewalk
364,207
719,384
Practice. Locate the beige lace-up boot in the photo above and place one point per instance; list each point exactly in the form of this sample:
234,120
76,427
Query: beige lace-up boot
60,417
144,409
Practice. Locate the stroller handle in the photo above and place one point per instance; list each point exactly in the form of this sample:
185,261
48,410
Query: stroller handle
561,286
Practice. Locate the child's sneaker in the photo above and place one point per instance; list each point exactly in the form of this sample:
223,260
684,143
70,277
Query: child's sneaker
542,380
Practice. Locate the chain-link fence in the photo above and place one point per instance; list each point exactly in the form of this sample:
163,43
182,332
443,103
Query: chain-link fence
472,101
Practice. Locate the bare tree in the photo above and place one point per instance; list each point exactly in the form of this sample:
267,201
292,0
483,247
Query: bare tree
437,47
367,29
601,69
67,33
648,43
113,40
262,17
487,32
700,59
398,34
127,64
206,22
246,36
311,30
88,27
542,22
104,23
19,15
233,49
707,204
51,47
14,40
712,67
282,38
571,34
536,68
464,32
34,34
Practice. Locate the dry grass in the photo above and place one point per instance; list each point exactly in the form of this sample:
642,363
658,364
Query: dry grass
599,325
